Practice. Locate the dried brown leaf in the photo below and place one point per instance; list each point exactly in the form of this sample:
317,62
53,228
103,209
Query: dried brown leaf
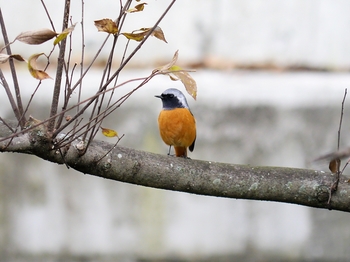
106,25
158,33
137,8
18,57
334,165
5,57
33,70
36,37
189,83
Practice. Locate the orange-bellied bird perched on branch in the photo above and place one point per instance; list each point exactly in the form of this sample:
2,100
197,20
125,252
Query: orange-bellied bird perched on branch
177,125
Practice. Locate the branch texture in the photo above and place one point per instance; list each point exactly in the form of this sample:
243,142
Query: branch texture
289,185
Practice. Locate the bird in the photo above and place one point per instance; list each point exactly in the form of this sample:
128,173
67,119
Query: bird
177,125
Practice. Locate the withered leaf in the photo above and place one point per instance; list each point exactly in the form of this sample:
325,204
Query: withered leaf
165,68
334,165
158,33
106,25
5,57
139,35
135,36
189,83
17,57
175,73
33,70
36,37
137,8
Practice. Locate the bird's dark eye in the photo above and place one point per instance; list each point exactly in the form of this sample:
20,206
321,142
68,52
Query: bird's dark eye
170,95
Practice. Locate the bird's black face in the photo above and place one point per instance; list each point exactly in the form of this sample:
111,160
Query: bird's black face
170,101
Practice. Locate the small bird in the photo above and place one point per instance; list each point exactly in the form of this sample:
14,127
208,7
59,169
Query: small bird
177,125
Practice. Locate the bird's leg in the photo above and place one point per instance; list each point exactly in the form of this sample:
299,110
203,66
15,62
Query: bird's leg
169,150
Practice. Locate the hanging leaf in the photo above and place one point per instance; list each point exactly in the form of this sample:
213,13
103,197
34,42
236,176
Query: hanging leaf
139,35
157,32
34,71
135,36
5,57
18,57
64,34
109,132
106,25
334,165
175,73
137,8
189,83
36,37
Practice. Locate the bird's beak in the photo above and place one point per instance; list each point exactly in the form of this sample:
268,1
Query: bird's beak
159,97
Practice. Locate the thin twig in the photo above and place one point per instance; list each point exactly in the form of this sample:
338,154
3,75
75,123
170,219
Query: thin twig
107,71
115,75
48,15
119,138
19,107
82,58
337,161
7,125
9,96
60,62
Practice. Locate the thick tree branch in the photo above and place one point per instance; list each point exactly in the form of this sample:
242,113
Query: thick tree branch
289,185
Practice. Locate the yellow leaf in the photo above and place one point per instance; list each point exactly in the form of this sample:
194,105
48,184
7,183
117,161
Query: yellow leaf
135,36
34,71
137,8
139,35
106,25
64,34
36,37
109,132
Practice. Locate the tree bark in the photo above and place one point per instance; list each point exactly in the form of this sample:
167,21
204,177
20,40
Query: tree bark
290,185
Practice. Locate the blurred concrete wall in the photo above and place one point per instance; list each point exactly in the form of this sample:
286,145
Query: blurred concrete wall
264,118
220,33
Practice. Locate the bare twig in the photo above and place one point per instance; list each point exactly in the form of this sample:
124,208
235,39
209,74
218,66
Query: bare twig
7,125
60,62
336,161
9,95
18,109
341,117
115,75
119,138
48,15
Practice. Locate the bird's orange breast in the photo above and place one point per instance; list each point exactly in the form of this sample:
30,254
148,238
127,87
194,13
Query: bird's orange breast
177,127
